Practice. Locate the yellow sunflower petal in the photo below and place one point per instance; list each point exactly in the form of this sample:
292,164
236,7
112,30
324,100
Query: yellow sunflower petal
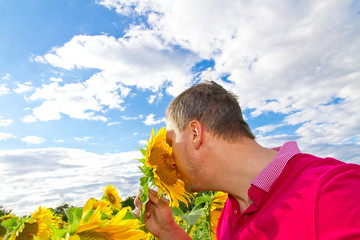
112,196
216,206
157,158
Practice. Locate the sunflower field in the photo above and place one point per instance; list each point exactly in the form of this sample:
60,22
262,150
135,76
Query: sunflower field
108,219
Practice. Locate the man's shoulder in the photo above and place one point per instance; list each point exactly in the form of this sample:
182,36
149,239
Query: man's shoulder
322,170
314,170
310,163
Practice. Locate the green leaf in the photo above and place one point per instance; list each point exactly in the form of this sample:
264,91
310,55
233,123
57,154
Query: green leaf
144,181
142,160
74,217
194,216
57,233
177,211
129,215
143,151
201,199
9,223
144,195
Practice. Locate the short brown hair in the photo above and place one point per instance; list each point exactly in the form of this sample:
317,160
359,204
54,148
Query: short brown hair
216,108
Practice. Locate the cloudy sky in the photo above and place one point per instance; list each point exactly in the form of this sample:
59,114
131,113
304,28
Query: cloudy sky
82,83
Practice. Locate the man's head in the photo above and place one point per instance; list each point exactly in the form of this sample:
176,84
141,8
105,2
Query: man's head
213,106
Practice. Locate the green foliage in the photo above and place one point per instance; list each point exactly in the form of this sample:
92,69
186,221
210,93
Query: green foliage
61,211
195,219
74,217
129,202
4,211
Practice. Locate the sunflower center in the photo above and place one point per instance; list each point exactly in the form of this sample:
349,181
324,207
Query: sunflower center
161,159
91,235
30,230
2,231
111,199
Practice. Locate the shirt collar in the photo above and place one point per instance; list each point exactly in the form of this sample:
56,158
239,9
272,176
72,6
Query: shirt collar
272,171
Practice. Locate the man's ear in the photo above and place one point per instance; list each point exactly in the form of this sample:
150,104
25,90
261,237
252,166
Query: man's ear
196,129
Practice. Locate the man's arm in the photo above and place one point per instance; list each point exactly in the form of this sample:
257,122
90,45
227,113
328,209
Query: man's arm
159,219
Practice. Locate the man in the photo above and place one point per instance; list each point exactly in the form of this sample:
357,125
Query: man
276,193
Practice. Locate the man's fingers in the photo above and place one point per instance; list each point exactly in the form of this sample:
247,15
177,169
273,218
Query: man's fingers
137,213
137,201
153,197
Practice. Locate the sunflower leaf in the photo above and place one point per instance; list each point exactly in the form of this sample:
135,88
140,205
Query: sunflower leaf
144,181
177,211
193,217
144,195
74,217
201,199
129,215
142,160
57,233
143,151
9,223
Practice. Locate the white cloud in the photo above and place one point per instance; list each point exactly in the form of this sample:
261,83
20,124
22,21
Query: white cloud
53,79
77,100
113,123
140,116
5,136
142,142
52,176
29,119
21,88
32,140
155,98
6,77
5,122
4,89
290,58
82,139
268,128
132,118
151,98
150,120
282,57
140,58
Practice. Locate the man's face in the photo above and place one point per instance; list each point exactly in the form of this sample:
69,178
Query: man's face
182,155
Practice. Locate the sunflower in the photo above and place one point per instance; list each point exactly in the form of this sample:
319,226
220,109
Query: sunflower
104,205
37,225
2,232
216,206
112,197
157,167
93,227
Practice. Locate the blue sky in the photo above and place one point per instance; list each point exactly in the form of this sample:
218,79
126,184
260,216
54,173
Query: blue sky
82,83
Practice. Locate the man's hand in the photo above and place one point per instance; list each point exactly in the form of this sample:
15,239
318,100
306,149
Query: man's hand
158,217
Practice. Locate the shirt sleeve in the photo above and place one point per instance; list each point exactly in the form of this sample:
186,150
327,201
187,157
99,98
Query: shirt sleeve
337,204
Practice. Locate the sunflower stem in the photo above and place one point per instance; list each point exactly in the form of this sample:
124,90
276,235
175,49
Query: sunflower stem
189,229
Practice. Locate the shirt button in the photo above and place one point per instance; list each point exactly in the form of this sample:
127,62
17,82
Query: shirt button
236,212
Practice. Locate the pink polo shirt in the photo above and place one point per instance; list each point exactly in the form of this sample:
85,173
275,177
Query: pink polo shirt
297,196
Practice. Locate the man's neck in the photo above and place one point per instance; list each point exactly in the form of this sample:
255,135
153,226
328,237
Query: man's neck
238,166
